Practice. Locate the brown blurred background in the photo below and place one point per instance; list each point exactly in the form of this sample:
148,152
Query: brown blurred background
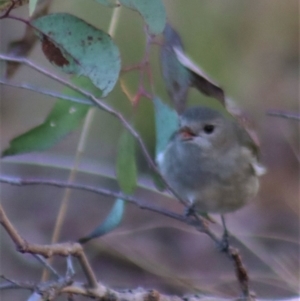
252,49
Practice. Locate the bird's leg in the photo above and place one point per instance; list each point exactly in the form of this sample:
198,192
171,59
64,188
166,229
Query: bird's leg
224,245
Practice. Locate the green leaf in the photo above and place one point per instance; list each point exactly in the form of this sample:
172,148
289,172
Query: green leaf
111,222
177,77
79,48
153,12
63,118
126,165
32,6
166,123
110,3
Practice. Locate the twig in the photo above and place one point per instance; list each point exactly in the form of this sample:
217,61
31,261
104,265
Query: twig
13,284
89,188
12,5
283,114
47,265
9,280
70,272
240,270
46,92
62,249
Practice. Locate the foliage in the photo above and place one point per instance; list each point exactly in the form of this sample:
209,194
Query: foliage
93,59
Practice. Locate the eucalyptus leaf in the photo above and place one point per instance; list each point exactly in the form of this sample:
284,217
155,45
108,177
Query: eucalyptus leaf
199,78
166,123
153,12
64,117
109,3
177,77
79,48
111,222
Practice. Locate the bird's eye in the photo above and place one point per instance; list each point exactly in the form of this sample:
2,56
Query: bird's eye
208,128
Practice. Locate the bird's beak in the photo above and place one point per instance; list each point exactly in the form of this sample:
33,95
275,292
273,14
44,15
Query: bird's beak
186,134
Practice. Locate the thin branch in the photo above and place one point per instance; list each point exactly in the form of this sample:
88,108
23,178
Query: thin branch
47,265
13,4
62,249
70,272
283,114
93,189
46,92
11,281
19,285
13,284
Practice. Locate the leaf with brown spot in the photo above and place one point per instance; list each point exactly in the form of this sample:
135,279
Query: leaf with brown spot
53,53
79,48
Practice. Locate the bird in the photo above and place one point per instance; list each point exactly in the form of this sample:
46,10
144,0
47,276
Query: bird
211,161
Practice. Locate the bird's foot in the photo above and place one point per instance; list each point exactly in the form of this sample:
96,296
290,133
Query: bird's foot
189,211
224,242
